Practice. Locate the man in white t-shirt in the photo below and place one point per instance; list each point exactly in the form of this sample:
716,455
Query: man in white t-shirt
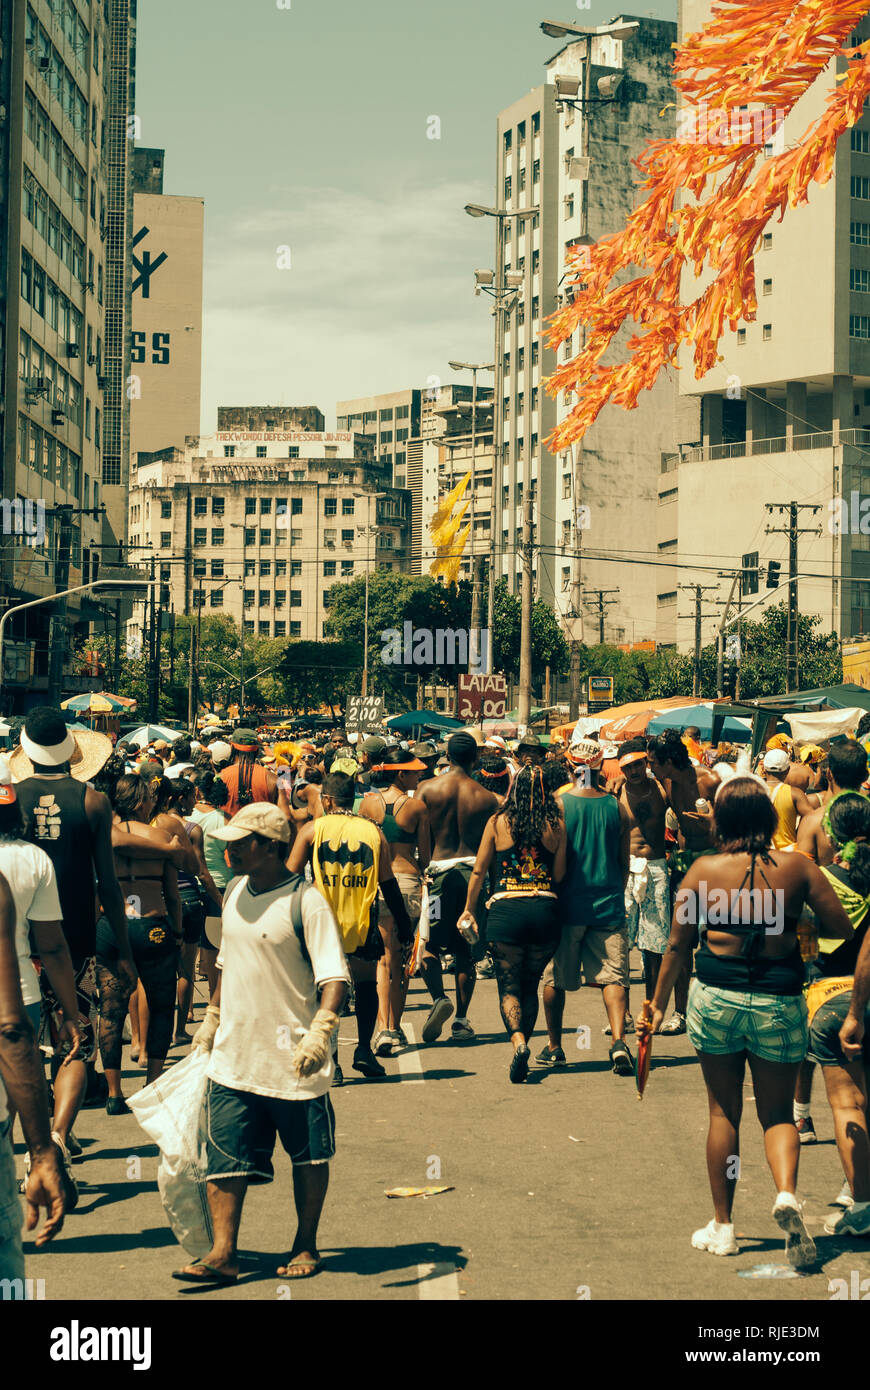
271,1060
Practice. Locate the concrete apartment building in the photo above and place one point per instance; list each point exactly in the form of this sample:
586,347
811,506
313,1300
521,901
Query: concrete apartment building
259,522
166,354
785,416
390,421
67,89
618,466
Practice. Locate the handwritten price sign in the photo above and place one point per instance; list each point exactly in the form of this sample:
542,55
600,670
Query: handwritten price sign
482,697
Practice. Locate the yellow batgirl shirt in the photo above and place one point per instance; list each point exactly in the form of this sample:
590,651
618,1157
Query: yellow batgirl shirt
344,861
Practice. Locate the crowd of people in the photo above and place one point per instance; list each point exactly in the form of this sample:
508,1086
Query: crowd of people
293,882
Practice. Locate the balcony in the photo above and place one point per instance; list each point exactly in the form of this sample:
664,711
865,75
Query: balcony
822,439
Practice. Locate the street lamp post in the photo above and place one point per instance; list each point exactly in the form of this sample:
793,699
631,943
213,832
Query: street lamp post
368,531
477,562
503,286
65,593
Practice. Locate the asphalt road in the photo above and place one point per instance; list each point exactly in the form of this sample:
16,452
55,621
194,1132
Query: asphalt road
564,1188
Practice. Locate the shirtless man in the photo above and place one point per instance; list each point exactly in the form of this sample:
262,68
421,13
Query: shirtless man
804,773
847,772
647,893
683,785
459,809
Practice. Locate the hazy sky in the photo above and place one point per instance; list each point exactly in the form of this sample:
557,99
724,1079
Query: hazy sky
306,127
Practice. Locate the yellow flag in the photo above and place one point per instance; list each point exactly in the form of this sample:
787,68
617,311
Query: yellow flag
448,539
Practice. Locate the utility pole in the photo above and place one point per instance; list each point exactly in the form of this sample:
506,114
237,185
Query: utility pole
601,602
153,655
793,531
697,590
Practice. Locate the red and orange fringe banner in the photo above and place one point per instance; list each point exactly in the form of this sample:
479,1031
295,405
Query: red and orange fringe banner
756,53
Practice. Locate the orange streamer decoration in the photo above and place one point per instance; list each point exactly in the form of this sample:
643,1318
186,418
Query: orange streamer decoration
761,54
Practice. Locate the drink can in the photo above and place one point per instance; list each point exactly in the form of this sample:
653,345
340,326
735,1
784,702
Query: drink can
703,805
468,930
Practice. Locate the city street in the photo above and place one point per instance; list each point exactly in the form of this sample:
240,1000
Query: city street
564,1188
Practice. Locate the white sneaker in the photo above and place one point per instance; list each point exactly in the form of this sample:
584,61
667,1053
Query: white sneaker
462,1031
800,1248
844,1197
716,1241
853,1222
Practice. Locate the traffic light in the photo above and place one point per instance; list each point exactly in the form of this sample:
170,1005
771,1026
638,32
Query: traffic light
773,569
729,677
749,574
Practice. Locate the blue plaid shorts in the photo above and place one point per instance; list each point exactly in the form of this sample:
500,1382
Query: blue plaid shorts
720,1022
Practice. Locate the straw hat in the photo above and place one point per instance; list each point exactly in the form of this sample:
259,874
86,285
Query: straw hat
84,750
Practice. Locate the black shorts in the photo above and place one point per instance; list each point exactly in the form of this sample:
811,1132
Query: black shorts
85,977
824,1046
448,890
531,921
241,1129
373,947
192,919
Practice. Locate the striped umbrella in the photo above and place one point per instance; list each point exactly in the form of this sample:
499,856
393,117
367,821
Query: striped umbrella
98,703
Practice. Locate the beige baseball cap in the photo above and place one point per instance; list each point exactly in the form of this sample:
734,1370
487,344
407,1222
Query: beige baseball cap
261,818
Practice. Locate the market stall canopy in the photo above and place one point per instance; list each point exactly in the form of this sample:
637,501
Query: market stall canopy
701,716
848,699
422,719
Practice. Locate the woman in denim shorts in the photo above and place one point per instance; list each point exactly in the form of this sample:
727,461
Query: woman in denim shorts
746,1001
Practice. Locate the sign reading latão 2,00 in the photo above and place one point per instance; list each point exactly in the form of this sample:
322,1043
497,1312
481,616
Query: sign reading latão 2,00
364,712
482,697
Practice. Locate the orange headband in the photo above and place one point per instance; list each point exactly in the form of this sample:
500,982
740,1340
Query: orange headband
630,758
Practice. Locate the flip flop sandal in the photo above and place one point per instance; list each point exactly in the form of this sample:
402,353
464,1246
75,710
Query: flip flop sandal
212,1275
311,1266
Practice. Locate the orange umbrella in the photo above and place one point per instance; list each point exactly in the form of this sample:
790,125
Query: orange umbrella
644,1049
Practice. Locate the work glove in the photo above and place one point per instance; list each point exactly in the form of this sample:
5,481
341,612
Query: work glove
313,1050
204,1035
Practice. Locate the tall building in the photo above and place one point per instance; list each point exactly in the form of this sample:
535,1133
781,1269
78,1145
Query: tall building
612,480
166,355
785,414
261,523
390,420
67,74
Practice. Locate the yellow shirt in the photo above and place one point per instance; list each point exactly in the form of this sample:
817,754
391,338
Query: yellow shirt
344,861
785,835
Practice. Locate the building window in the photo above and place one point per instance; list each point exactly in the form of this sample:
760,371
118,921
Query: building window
741,337
536,171
217,569
200,536
265,600
199,506
295,506
165,511
859,280
566,484
166,539
347,537
265,567
860,187
229,451
386,414
767,287
295,598
249,625
198,598
250,506
327,601
767,241
199,569
261,451
767,332
217,535
330,506
860,141
295,569
329,567
859,326
264,628
295,629
266,537
859,233
265,506
507,189
346,567
280,598
250,568
347,505
250,535
664,600
217,506
280,628
293,451
249,597
280,567
216,599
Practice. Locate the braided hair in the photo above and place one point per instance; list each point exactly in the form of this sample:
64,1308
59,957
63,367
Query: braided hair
530,807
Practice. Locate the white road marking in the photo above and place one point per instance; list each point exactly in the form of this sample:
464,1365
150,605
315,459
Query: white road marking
438,1281
410,1063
